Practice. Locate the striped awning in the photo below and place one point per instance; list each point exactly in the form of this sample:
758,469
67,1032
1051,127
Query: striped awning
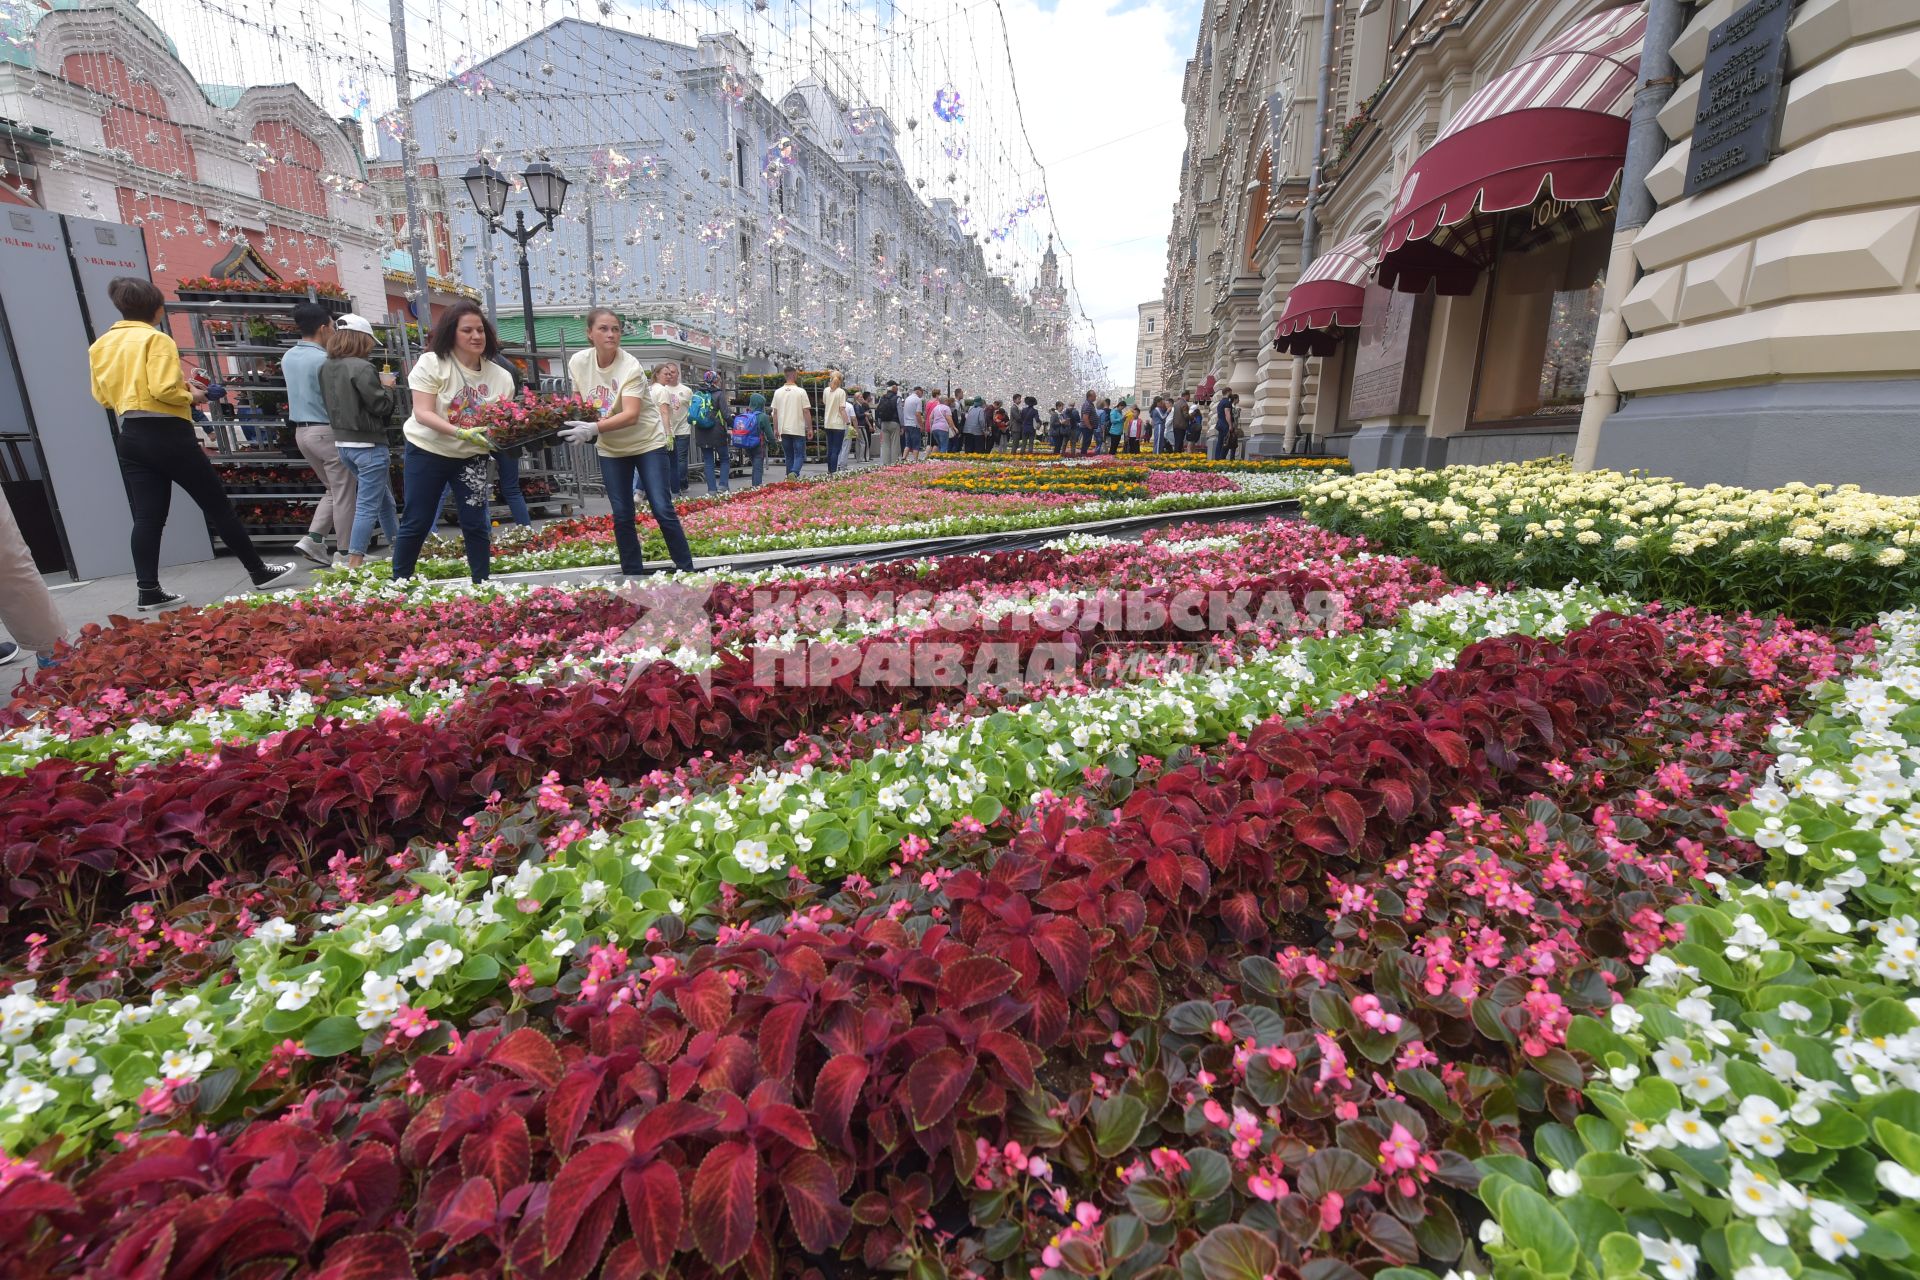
1554,125
1329,295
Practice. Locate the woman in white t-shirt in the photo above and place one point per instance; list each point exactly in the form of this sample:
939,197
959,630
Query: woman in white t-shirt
630,437
459,370
672,400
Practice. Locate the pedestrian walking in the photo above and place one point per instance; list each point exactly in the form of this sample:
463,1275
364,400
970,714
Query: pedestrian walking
712,432
26,606
865,439
1027,425
750,430
1089,424
914,426
887,412
793,419
1057,427
833,419
630,437
135,372
1179,422
359,404
940,425
973,428
313,434
1222,426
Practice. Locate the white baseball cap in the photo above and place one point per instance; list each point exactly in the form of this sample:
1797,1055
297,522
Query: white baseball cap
358,324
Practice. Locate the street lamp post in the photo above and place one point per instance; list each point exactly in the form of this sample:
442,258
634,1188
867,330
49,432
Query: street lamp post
547,188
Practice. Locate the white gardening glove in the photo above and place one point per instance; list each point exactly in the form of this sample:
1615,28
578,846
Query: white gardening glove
579,432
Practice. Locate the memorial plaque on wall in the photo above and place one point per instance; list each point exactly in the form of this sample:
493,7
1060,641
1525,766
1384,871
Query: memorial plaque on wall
1392,355
1743,92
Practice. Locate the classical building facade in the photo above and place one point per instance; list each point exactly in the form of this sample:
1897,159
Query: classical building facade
100,119
781,227
1473,291
1150,349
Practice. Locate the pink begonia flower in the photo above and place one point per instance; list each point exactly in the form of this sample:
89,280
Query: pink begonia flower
1331,1210
1400,1150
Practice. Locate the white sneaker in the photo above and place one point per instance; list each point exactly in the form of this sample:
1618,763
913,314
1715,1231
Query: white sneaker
313,551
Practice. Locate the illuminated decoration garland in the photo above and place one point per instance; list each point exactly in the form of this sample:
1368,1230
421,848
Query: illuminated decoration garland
948,106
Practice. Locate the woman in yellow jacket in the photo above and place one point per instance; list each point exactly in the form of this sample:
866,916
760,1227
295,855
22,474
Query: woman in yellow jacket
136,373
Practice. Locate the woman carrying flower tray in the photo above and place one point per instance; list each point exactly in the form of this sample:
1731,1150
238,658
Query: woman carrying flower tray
459,372
630,437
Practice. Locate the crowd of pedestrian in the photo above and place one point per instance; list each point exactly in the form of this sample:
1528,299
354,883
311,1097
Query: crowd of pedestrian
651,434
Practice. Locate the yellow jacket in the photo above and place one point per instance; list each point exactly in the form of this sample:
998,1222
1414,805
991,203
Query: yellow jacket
136,369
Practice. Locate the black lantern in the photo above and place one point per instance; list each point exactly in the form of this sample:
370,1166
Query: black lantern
546,187
488,188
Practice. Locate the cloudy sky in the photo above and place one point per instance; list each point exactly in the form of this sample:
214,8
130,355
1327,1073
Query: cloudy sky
1097,84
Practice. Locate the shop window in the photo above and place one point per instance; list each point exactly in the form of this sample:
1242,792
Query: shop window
1543,309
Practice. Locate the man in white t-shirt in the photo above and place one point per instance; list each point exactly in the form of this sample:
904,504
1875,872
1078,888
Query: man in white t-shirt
912,423
793,419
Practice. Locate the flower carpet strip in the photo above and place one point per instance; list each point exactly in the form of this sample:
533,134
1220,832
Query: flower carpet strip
1108,1033
1815,553
876,506
458,939
1757,1098
302,795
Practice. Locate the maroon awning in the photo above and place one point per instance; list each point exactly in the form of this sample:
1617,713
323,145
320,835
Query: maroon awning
1329,296
1554,124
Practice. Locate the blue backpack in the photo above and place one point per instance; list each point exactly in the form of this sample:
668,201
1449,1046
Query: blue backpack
701,412
746,430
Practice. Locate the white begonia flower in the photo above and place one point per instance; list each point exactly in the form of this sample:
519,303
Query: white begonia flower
1563,1182
1691,1129
1624,1018
24,1096
1762,1271
1794,1011
1490,1233
1756,1128
274,932
1623,1078
1897,1178
380,998
1833,1231
1671,1259
178,1064
71,1060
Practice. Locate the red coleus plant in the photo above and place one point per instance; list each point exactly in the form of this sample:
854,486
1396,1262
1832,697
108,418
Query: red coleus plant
842,1076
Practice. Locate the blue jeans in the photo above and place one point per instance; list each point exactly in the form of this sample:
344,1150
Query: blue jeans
682,462
795,449
374,505
651,472
836,441
719,466
509,467
427,475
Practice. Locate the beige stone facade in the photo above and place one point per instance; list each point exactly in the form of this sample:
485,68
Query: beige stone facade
1792,290
1150,349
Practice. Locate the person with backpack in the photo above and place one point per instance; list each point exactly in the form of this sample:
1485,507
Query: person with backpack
750,436
887,414
708,414
833,419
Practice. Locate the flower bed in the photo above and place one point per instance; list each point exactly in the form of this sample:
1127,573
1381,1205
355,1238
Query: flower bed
1165,1136
1401,929
891,505
1814,553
